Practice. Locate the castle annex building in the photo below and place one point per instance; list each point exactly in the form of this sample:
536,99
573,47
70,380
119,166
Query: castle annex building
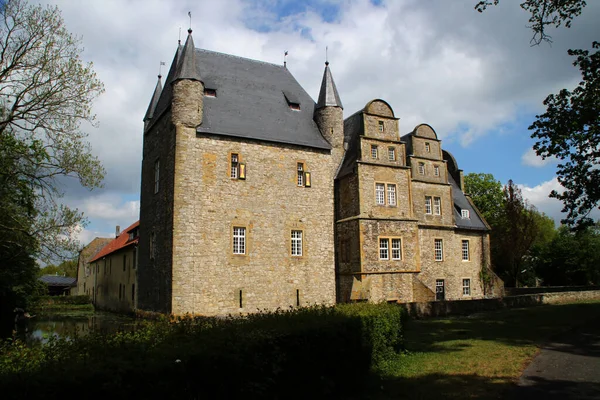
255,197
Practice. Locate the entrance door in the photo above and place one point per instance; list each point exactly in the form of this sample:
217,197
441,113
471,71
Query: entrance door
439,290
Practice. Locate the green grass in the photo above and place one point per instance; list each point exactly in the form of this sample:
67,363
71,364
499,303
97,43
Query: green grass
478,356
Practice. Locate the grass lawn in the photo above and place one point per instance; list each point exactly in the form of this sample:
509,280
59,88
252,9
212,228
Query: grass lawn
478,356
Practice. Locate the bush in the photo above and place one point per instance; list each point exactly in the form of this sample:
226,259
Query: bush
64,300
308,352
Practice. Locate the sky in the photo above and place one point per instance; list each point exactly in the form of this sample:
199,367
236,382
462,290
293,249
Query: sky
473,77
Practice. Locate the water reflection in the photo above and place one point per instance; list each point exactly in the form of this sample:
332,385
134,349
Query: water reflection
43,327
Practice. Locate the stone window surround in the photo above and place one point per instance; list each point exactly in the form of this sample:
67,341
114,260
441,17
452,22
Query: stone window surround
296,243
300,174
238,247
437,205
385,192
234,162
465,250
428,205
389,247
391,153
381,126
421,168
436,170
427,147
466,286
438,250
374,152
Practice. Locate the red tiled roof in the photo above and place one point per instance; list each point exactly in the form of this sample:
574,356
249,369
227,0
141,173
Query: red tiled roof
117,243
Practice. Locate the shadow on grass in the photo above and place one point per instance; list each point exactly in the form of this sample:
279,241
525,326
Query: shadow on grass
515,327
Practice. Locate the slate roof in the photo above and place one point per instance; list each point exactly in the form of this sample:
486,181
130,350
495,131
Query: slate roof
252,100
328,95
154,100
353,127
461,202
118,243
55,280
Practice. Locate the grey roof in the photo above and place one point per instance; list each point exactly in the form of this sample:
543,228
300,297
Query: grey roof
154,100
252,100
187,68
328,95
462,203
353,128
55,280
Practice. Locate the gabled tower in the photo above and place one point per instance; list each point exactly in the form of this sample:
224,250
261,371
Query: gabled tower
329,116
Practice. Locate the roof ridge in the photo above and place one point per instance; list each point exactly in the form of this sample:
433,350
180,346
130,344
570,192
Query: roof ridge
240,57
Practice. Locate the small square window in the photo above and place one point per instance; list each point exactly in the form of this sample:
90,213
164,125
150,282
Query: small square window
465,214
439,249
391,153
384,249
381,126
427,148
374,152
466,287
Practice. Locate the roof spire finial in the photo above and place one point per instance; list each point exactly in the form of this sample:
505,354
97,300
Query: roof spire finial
179,40
190,15
326,57
159,68
284,59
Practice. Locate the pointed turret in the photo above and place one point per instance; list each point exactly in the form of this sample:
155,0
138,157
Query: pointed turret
153,102
328,96
186,63
329,116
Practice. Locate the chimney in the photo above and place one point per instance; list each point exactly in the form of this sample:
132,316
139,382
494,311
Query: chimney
117,231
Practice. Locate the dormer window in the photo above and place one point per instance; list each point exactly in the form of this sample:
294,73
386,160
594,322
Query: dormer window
210,92
294,106
292,101
464,214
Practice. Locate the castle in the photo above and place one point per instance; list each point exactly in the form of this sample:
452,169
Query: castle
253,196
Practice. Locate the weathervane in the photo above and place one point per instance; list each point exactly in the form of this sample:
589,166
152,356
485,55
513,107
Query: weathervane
159,68
190,15
326,56
284,59
179,41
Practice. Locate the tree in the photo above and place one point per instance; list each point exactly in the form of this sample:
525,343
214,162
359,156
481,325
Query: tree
570,128
65,268
46,93
486,193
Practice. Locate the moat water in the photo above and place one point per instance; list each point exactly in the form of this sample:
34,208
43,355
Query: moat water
42,327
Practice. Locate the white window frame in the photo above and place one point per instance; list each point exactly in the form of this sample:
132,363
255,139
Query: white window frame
235,162
374,152
396,249
436,170
392,153
437,206
391,194
296,243
438,246
381,126
380,193
465,214
466,285
421,168
384,248
466,255
239,240
300,169
156,175
428,206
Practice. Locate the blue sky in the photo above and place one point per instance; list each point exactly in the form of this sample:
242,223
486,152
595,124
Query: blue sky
473,77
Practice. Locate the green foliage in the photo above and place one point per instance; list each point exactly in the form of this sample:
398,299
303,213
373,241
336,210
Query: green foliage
486,193
64,300
65,268
570,131
302,353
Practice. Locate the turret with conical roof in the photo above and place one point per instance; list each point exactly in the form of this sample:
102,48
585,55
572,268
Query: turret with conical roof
153,102
329,116
188,88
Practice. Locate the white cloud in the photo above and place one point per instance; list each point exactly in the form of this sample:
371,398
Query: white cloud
531,159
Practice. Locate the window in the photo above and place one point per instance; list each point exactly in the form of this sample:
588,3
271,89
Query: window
239,240
436,170
427,204
300,174
439,249
396,249
297,243
383,249
381,126
373,151
380,193
156,175
421,168
464,213
210,92
391,153
466,287
234,165
391,192
152,245
465,250
437,206
427,148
